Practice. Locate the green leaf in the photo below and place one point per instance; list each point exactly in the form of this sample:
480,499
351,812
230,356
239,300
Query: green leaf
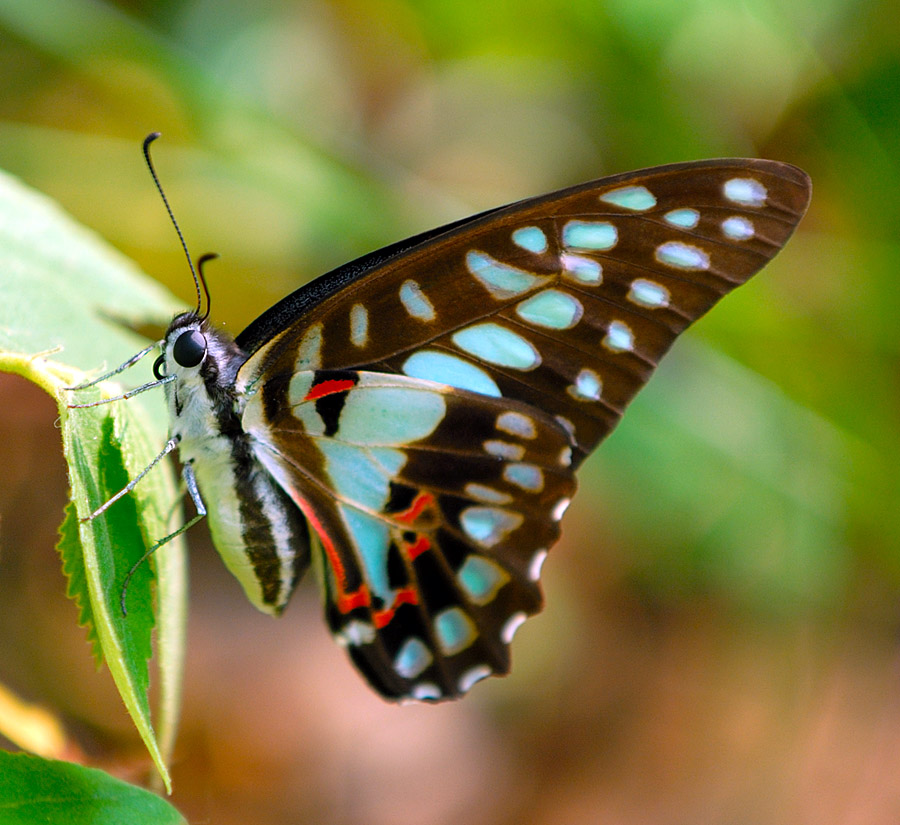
65,294
36,790
72,555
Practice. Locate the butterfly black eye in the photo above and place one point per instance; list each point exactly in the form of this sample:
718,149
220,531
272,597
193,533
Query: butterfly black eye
190,348
157,367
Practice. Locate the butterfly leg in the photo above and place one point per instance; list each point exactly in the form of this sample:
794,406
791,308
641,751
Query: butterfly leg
171,444
125,395
190,481
121,368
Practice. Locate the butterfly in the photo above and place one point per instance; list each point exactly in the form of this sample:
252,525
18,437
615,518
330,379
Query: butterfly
411,422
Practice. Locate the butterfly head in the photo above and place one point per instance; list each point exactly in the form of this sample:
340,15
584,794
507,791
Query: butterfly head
184,348
198,364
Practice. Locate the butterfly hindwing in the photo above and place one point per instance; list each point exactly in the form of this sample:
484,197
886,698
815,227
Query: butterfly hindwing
431,542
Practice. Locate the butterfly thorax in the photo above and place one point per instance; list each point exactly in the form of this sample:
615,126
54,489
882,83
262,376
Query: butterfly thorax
259,532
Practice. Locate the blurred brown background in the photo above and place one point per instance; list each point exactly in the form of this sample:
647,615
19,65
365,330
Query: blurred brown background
720,638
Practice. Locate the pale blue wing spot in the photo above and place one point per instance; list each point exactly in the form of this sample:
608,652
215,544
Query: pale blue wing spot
445,368
455,631
501,280
481,578
301,384
503,449
304,412
356,633
309,353
489,525
531,239
682,218
619,337
372,538
390,415
745,191
599,235
636,198
299,387
472,676
486,494
359,325
357,476
526,476
362,477
551,309
565,457
390,461
425,691
415,302
536,565
498,345
738,229
648,294
587,386
412,658
682,255
513,623
516,423
586,270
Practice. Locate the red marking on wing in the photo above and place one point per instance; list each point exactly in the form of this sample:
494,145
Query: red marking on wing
420,502
345,601
329,388
408,595
419,546
350,601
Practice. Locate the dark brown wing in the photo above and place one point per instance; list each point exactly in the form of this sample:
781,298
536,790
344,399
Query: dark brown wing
565,301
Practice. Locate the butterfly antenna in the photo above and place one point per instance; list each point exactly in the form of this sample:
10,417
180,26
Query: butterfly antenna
209,256
147,141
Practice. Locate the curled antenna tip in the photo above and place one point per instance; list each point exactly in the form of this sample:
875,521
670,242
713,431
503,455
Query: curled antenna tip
147,141
203,259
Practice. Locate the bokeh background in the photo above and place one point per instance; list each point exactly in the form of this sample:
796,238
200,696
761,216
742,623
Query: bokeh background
720,643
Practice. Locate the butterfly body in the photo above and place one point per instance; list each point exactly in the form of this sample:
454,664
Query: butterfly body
423,409
256,529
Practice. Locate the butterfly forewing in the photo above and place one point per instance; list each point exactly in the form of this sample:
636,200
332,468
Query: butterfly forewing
567,301
426,406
